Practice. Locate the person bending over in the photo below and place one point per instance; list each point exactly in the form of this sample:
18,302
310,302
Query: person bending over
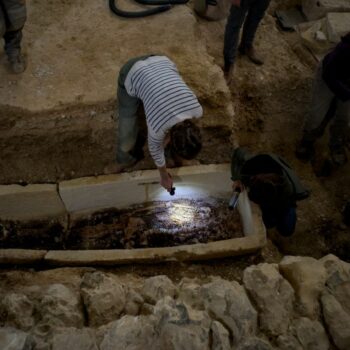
169,106
271,184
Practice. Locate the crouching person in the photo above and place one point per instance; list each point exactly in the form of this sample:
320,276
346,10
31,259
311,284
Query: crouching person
271,184
169,107
13,15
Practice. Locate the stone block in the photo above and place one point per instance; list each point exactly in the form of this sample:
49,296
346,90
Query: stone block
122,190
31,216
31,202
338,24
14,339
72,338
311,334
337,321
21,256
316,9
273,296
308,277
158,287
104,298
228,302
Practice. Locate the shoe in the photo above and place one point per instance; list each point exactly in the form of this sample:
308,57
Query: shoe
228,72
17,63
304,150
338,156
251,54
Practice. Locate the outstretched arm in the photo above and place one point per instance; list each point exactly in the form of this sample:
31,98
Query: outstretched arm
165,178
156,149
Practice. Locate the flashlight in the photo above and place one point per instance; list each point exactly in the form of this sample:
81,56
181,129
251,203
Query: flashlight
234,199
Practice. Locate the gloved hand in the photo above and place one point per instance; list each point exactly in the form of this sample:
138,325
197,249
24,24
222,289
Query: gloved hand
166,181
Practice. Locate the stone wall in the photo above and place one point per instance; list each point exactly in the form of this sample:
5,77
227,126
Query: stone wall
300,303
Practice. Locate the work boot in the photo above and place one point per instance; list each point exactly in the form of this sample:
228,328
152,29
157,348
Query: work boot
251,54
338,156
228,72
305,150
17,63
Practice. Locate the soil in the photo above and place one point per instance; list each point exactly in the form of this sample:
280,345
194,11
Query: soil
157,224
153,224
270,102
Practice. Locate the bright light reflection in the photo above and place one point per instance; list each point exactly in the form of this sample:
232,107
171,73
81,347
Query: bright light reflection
181,213
183,191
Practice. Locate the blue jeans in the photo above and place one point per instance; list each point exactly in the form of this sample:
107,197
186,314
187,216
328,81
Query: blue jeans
252,11
284,221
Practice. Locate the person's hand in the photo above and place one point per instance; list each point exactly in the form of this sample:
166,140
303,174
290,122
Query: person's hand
166,181
236,3
238,186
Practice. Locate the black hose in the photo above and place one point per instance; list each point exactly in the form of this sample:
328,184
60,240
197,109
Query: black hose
137,14
162,2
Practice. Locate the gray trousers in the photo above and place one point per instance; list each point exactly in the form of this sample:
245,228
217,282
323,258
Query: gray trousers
13,15
251,12
324,107
128,124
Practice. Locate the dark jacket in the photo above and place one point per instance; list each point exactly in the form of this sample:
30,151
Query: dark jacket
336,69
245,165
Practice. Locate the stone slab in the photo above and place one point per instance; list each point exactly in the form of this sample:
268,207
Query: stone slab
316,9
195,252
338,24
21,256
31,202
314,36
90,194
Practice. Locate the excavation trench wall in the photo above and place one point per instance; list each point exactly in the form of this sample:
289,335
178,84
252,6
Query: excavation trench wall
58,117
77,141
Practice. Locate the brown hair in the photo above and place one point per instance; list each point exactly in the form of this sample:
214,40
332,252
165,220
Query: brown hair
186,140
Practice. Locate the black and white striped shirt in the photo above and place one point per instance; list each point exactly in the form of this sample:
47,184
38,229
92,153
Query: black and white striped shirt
167,99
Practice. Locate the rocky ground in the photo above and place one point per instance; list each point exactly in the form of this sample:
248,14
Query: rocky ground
300,303
57,123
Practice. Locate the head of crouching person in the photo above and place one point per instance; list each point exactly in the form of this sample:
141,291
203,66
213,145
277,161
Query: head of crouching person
185,142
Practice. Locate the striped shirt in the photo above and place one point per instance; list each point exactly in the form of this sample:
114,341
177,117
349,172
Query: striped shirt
166,98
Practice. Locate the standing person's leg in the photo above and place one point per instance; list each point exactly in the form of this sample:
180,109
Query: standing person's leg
338,133
255,15
127,127
13,50
321,105
233,26
15,15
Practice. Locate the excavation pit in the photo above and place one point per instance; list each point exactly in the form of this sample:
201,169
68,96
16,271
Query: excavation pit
129,218
157,224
